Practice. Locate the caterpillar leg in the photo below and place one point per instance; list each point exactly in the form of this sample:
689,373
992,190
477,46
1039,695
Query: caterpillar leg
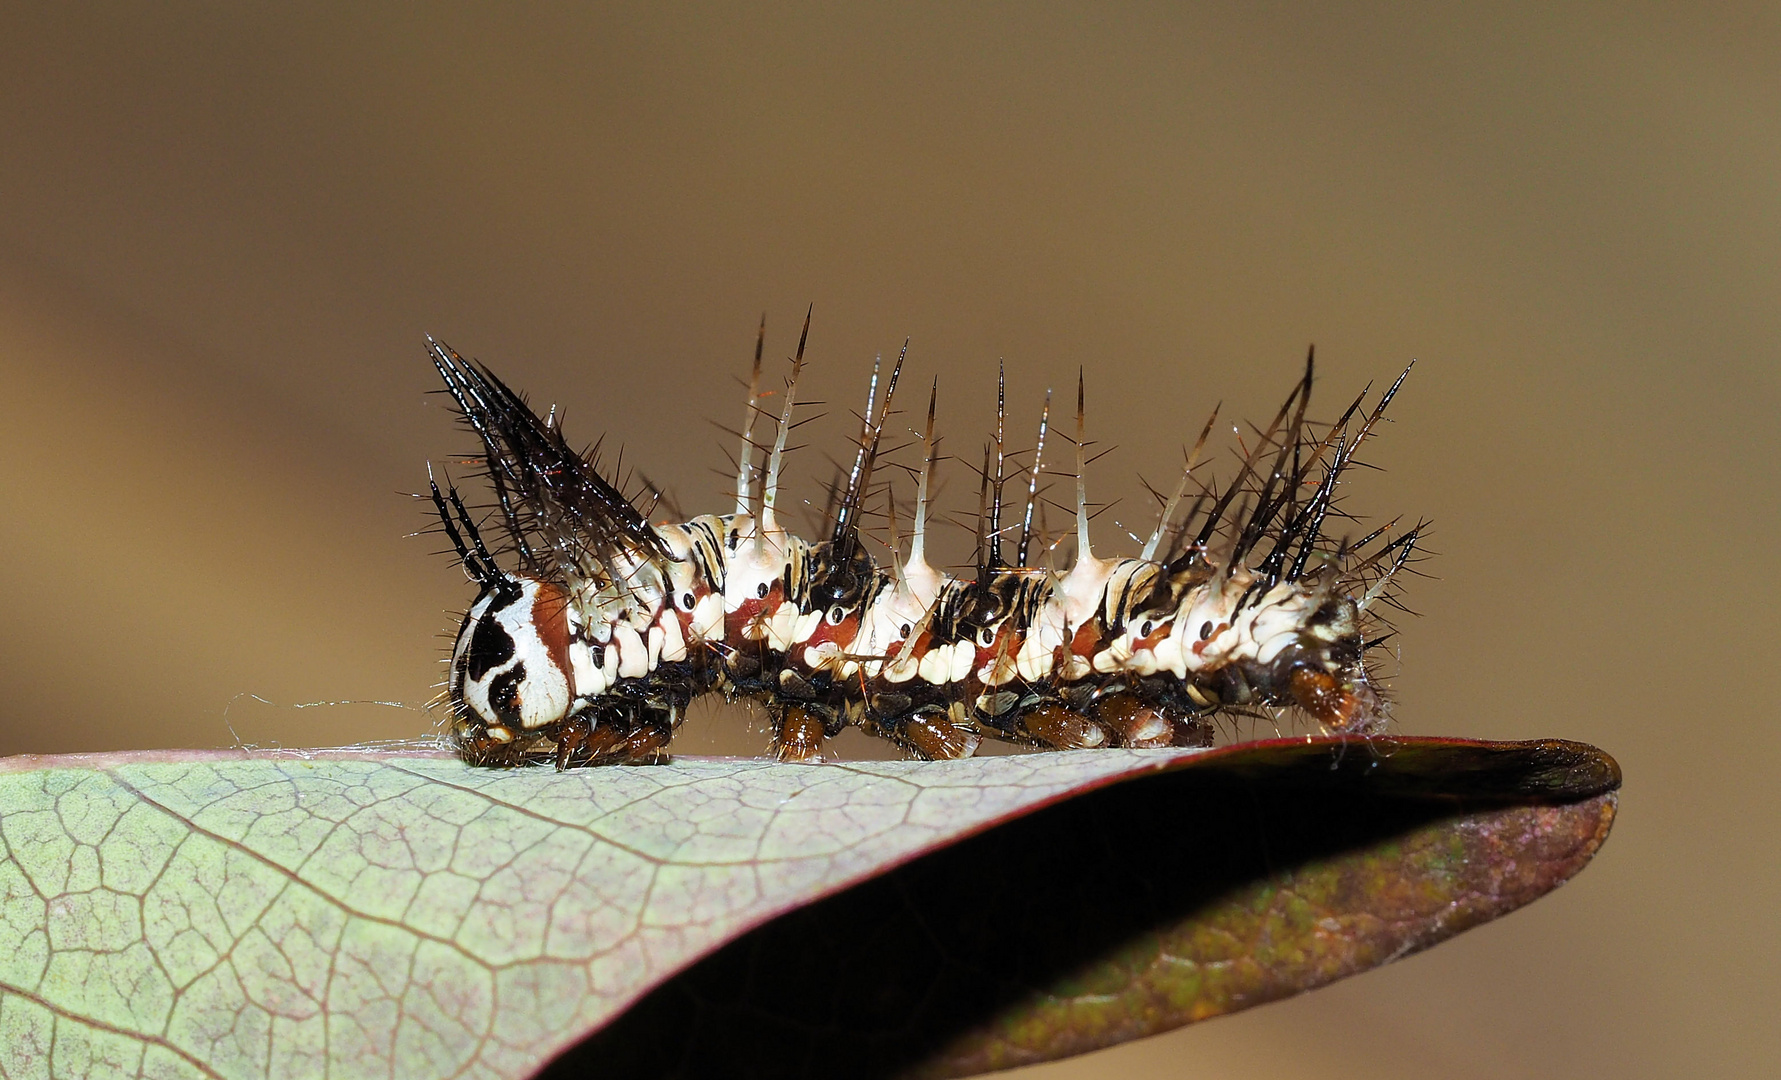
1057,728
614,738
1134,723
1193,730
1337,706
572,742
496,746
798,735
936,737
646,745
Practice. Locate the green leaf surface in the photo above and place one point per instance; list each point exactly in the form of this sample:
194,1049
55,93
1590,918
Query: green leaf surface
381,915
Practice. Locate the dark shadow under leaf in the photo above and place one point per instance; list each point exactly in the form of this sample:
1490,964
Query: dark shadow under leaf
1251,875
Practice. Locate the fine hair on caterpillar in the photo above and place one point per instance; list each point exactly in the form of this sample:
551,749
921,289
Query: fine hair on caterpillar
594,628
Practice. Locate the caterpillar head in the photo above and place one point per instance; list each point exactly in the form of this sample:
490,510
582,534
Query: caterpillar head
510,667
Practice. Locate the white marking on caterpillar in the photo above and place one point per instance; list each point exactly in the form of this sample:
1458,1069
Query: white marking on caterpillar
504,668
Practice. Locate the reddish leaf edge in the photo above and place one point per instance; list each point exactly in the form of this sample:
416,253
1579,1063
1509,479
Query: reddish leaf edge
1039,935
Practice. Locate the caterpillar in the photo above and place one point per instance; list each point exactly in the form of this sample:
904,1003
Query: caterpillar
589,650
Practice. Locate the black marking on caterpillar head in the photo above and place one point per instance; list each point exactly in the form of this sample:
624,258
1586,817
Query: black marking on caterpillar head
504,693
490,647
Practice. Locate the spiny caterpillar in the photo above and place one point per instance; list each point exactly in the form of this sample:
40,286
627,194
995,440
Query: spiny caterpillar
591,650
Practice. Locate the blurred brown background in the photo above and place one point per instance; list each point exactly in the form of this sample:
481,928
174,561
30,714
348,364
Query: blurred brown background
225,228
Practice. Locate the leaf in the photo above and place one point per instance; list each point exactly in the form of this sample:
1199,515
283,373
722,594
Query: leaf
375,914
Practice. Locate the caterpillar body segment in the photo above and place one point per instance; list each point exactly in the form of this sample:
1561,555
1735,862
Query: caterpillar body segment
591,647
